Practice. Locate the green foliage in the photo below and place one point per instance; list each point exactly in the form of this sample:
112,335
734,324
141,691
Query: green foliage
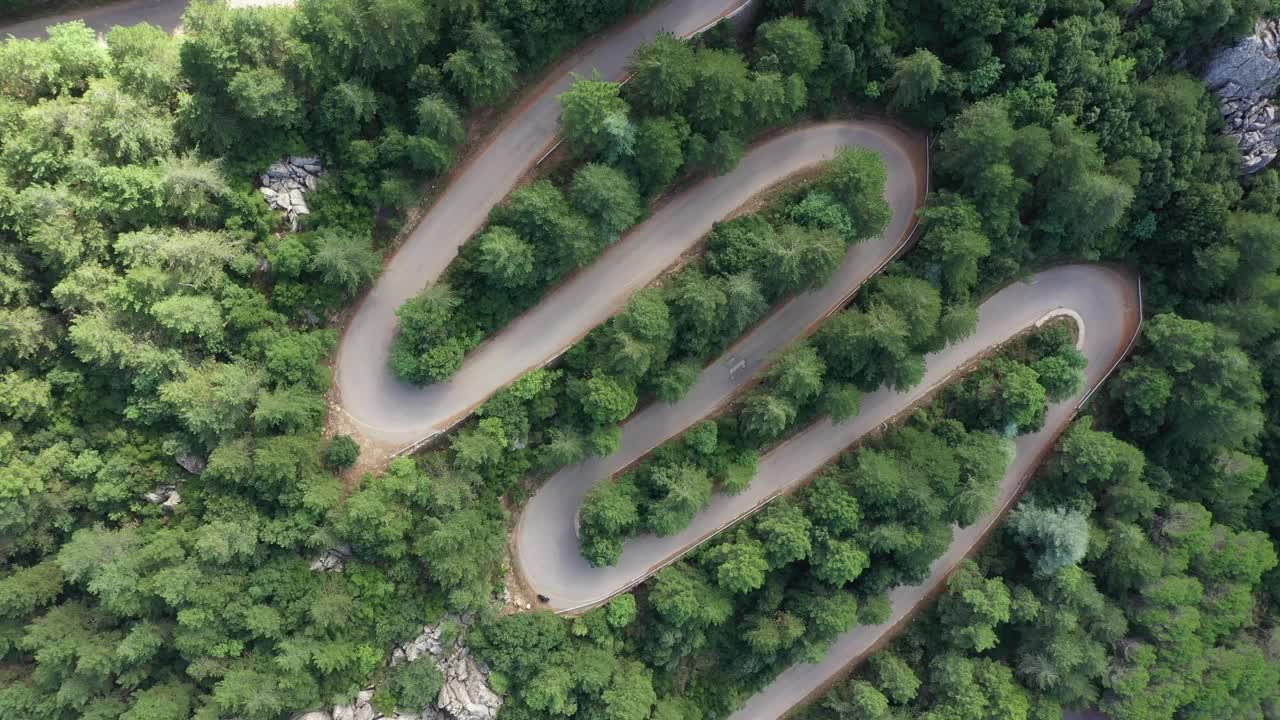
914,81
607,197
594,117
483,69
1052,537
422,351
342,452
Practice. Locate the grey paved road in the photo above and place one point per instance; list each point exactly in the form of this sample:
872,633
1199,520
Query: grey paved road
392,413
164,13
1103,299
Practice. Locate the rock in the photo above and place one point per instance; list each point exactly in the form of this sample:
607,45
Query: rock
465,694
171,503
1244,76
332,560
1249,67
193,464
313,715
161,494
285,184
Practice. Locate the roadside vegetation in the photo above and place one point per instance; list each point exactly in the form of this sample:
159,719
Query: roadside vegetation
814,380
687,110
150,310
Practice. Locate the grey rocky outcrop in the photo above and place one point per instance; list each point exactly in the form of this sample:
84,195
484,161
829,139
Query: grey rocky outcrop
193,464
285,185
332,560
1244,76
465,694
166,496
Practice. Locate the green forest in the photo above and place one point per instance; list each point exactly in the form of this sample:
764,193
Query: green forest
167,482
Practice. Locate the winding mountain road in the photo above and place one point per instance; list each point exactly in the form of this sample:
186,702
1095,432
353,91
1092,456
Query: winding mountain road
392,414
1102,300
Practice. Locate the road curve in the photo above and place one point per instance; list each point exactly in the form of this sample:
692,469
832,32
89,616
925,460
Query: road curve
595,293
167,14
546,548
1108,301
393,413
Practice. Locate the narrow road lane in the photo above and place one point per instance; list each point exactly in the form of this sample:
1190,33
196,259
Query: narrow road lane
393,413
166,14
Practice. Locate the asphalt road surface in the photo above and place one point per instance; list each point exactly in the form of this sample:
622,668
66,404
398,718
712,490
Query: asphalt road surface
163,13
391,413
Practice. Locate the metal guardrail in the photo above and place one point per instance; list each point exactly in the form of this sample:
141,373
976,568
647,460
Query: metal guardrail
1133,341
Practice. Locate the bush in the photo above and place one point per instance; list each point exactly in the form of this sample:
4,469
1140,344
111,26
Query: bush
415,685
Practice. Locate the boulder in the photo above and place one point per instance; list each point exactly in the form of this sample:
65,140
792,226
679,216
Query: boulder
171,503
284,185
161,494
193,464
332,560
465,694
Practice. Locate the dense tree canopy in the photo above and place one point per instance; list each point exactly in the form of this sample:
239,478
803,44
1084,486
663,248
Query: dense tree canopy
155,316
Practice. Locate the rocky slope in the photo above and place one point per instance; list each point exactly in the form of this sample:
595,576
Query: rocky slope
1244,76
464,696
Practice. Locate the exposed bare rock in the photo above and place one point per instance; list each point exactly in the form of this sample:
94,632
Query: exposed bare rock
332,560
161,494
465,694
193,464
284,185
361,709
1244,76
1251,65
170,504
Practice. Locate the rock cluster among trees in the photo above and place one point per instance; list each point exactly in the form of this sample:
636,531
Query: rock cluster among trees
285,184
